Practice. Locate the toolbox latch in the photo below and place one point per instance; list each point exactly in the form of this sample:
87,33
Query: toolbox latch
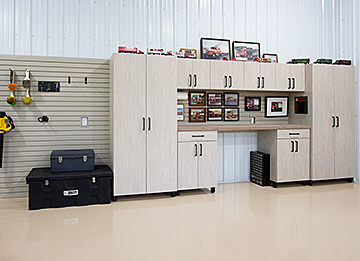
84,158
93,179
60,159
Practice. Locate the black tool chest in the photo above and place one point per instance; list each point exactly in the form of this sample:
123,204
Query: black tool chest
76,188
260,168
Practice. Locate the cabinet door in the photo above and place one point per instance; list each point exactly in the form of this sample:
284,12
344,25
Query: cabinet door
283,77
236,75
345,161
201,74
268,75
252,76
322,132
128,136
184,73
219,75
162,124
187,165
297,77
207,176
301,160
285,160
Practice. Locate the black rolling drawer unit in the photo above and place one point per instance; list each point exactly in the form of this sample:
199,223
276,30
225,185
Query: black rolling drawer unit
61,189
260,168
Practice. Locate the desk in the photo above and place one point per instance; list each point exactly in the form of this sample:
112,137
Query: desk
240,127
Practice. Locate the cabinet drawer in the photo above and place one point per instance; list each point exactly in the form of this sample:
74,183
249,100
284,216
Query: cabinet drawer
293,134
197,135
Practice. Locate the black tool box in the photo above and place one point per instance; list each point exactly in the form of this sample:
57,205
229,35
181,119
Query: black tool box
260,168
62,189
72,160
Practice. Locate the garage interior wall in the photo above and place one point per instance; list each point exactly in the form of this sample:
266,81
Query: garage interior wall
95,28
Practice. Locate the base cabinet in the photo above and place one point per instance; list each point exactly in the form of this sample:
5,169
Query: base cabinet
289,154
197,160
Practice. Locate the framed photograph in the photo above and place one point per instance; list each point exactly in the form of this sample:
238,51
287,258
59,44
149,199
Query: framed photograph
272,56
214,99
197,115
189,53
214,114
231,114
180,112
252,103
216,49
301,105
231,99
197,99
245,51
276,106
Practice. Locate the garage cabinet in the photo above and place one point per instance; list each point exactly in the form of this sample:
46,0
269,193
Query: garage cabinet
290,77
289,154
260,76
227,75
332,88
197,160
143,134
192,73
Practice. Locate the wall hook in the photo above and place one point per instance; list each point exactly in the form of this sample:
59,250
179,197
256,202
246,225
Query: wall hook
69,79
85,79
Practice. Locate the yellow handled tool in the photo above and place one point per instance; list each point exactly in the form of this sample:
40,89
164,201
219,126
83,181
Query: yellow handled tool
12,86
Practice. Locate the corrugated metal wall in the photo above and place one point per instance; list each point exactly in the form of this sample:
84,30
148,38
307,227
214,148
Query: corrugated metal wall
31,142
95,28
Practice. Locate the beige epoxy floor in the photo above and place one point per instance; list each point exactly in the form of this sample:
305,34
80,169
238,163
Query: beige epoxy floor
241,221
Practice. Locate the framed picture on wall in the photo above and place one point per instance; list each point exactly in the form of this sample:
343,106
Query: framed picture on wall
189,53
276,106
215,114
214,99
197,115
245,51
197,99
252,103
231,114
215,49
272,56
231,99
180,112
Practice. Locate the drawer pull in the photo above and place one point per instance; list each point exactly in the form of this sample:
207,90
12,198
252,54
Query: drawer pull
294,133
198,136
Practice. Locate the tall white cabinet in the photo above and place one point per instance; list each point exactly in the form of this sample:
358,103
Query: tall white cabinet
143,141
332,116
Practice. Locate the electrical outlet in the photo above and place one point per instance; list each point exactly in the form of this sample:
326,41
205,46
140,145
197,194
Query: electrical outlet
84,121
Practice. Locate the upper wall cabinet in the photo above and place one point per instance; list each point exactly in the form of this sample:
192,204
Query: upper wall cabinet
193,74
227,75
290,77
260,76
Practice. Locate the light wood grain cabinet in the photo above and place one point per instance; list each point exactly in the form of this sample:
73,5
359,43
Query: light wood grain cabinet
227,75
290,77
143,142
197,160
260,76
332,90
289,154
193,74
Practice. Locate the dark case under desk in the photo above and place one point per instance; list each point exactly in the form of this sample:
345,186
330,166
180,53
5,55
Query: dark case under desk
62,189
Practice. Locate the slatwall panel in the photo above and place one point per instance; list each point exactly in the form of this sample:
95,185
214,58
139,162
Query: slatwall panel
31,142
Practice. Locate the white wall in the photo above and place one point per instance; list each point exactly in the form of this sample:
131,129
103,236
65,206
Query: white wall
95,28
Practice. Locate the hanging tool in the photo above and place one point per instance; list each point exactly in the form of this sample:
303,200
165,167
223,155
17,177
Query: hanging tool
27,84
6,125
12,86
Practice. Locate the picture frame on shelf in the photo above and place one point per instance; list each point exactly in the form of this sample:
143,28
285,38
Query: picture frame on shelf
180,112
252,103
245,51
197,115
214,99
276,106
272,56
231,114
231,99
197,99
189,53
215,49
214,114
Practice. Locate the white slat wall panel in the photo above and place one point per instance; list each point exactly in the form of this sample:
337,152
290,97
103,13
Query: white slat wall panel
29,145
